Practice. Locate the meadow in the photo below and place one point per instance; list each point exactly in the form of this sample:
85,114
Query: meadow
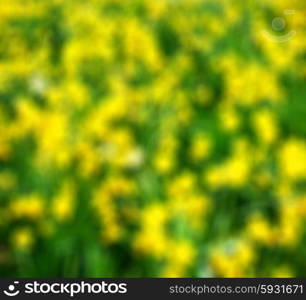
145,138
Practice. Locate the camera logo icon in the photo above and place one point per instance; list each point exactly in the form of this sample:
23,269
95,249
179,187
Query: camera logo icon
12,291
279,25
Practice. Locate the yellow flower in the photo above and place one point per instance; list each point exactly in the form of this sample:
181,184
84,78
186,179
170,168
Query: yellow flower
164,159
152,238
223,265
139,43
119,186
265,126
292,159
248,84
234,260
89,158
181,253
22,239
193,207
152,243
182,185
28,207
258,229
156,9
172,271
164,163
290,225
200,148
28,118
289,233
112,232
104,204
245,254
235,172
72,93
53,138
180,256
63,203
229,118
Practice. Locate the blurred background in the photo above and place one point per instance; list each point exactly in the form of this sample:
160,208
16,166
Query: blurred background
149,138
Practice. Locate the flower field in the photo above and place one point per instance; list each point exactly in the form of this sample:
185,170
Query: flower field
145,138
